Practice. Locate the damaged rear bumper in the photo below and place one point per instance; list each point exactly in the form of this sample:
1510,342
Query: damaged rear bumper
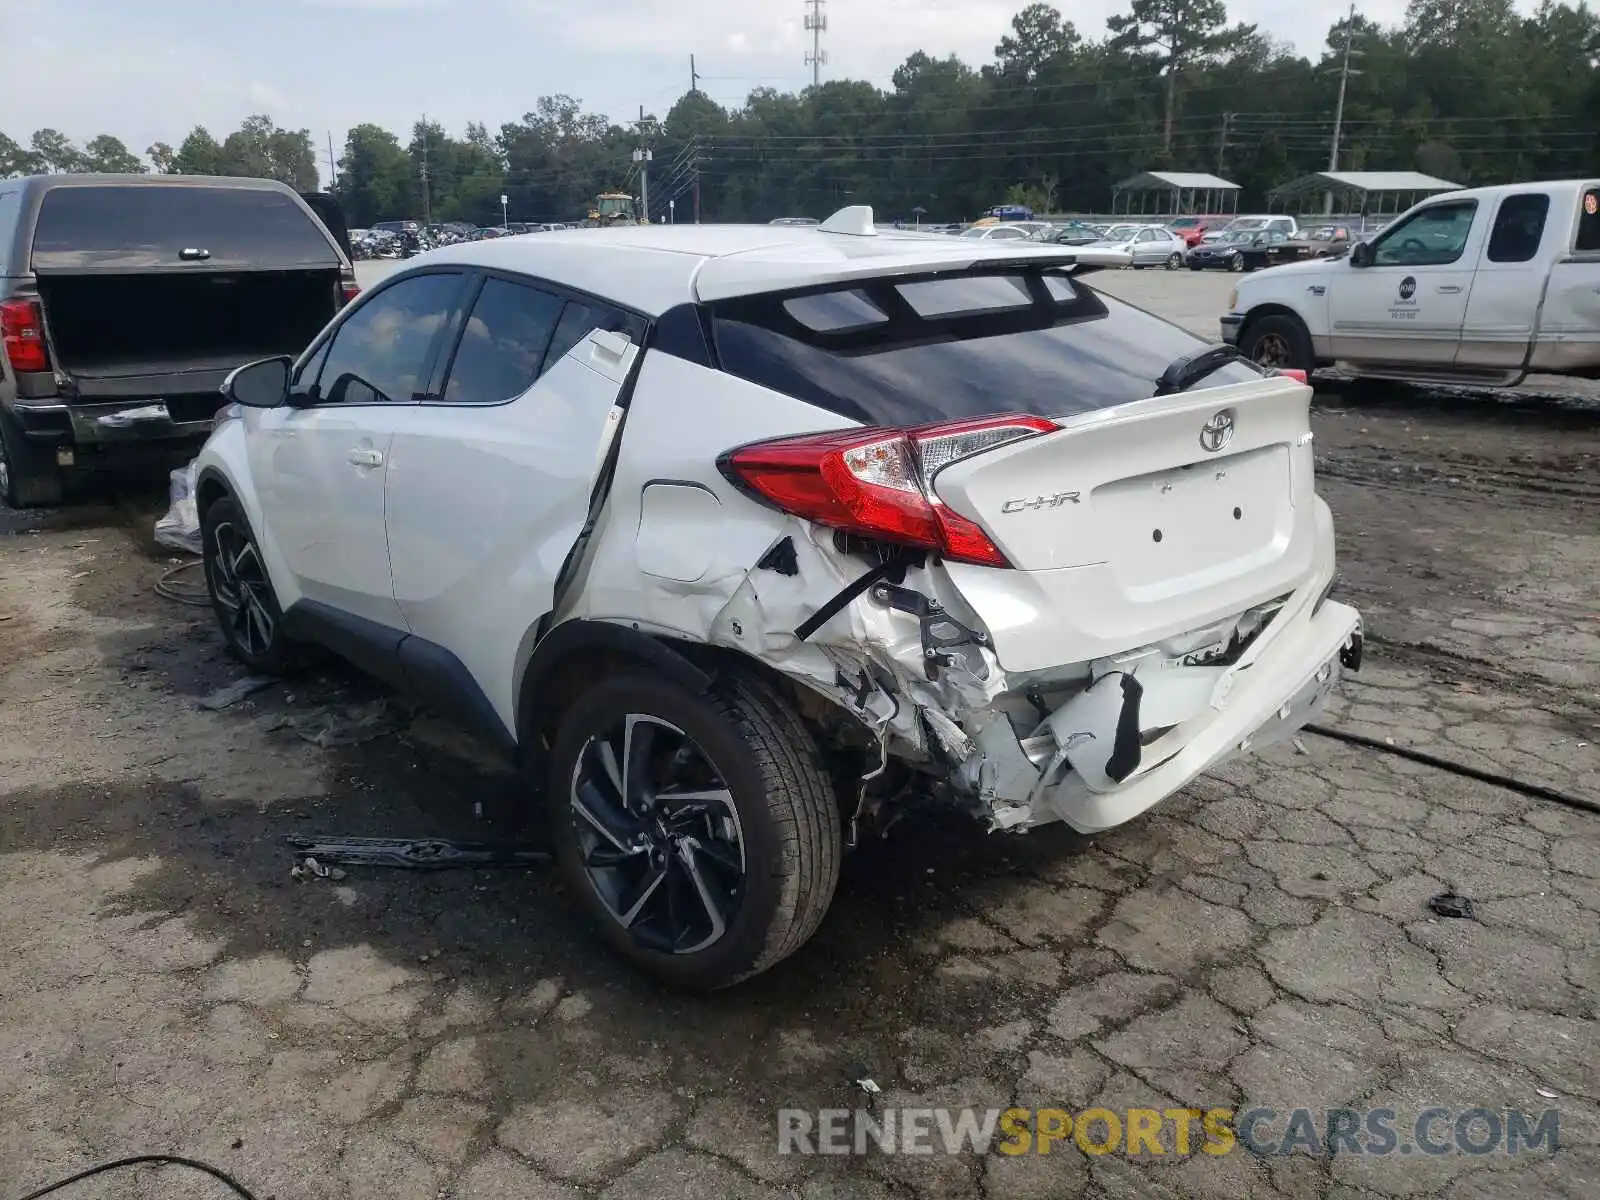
1263,704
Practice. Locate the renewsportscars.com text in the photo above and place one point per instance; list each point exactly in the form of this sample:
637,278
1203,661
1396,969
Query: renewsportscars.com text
1171,1131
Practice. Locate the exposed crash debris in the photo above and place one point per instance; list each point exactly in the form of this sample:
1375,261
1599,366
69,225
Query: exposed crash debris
179,528
1448,904
421,854
239,690
350,726
895,643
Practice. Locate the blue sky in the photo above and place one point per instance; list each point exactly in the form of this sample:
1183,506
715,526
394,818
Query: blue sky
149,70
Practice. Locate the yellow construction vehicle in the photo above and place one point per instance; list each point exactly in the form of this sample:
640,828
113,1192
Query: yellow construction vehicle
613,208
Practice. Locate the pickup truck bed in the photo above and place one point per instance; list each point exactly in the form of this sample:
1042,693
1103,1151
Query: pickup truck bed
127,301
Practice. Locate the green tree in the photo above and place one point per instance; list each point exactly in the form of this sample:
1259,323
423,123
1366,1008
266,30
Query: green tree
106,153
1038,37
162,156
374,176
260,150
14,160
54,153
1179,35
198,154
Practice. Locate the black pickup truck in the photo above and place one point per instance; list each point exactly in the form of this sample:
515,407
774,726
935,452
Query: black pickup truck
125,300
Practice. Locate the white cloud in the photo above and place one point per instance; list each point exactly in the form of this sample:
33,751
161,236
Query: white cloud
374,5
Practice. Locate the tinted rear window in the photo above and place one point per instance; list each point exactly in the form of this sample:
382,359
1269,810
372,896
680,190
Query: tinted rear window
10,205
148,226
1073,352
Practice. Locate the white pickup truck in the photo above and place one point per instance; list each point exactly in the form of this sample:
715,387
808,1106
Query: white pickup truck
1481,287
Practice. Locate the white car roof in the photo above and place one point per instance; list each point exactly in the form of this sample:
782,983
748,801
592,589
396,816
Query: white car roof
651,268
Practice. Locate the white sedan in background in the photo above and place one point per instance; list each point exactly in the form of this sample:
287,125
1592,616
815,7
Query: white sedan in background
1150,245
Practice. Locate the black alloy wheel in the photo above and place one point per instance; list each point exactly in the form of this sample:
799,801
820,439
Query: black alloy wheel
242,595
660,835
697,827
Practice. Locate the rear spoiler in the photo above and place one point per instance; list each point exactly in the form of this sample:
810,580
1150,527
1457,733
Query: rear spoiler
1077,262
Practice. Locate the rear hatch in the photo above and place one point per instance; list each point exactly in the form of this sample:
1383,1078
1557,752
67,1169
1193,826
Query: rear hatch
161,289
1144,488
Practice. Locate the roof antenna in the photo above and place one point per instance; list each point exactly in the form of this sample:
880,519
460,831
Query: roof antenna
855,221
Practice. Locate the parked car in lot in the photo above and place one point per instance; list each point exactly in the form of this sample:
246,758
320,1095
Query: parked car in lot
1483,286
1242,250
1014,232
1069,233
1149,245
125,300
1279,223
675,515
1193,229
1323,241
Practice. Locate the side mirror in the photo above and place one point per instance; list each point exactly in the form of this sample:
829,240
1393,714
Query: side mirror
1361,254
261,384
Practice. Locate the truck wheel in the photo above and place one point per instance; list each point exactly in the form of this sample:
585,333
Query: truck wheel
29,477
699,831
241,593
1278,342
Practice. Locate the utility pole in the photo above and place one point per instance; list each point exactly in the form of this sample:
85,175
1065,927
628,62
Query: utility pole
643,156
333,167
694,77
1222,146
817,23
427,200
1338,111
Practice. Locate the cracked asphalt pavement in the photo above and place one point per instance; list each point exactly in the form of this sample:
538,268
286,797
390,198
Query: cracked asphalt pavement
1262,939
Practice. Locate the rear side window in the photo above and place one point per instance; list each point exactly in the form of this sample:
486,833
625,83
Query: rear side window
578,319
151,225
1518,228
1589,221
503,343
1073,351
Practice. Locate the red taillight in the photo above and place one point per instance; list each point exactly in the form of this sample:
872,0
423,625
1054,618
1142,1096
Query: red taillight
349,289
22,331
877,482
1294,373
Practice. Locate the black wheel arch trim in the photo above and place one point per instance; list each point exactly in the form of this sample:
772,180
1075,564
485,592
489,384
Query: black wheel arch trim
573,638
212,476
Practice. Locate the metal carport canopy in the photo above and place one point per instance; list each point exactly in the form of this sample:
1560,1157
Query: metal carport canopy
1185,188
1361,186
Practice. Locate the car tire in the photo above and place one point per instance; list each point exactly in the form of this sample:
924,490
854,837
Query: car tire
1278,342
29,477
242,595
1236,262
774,810
1196,267
1174,261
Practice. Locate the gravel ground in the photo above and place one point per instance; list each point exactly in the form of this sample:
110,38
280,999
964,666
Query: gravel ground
1261,939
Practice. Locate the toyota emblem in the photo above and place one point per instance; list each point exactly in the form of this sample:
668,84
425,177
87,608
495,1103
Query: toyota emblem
1217,432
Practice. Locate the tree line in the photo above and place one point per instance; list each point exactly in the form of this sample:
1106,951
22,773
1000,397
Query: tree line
1468,90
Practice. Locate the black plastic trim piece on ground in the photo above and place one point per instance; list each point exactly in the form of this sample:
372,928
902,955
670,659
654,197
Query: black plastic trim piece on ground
1536,790
168,1160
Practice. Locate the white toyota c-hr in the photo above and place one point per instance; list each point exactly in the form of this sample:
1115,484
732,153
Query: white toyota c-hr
737,535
